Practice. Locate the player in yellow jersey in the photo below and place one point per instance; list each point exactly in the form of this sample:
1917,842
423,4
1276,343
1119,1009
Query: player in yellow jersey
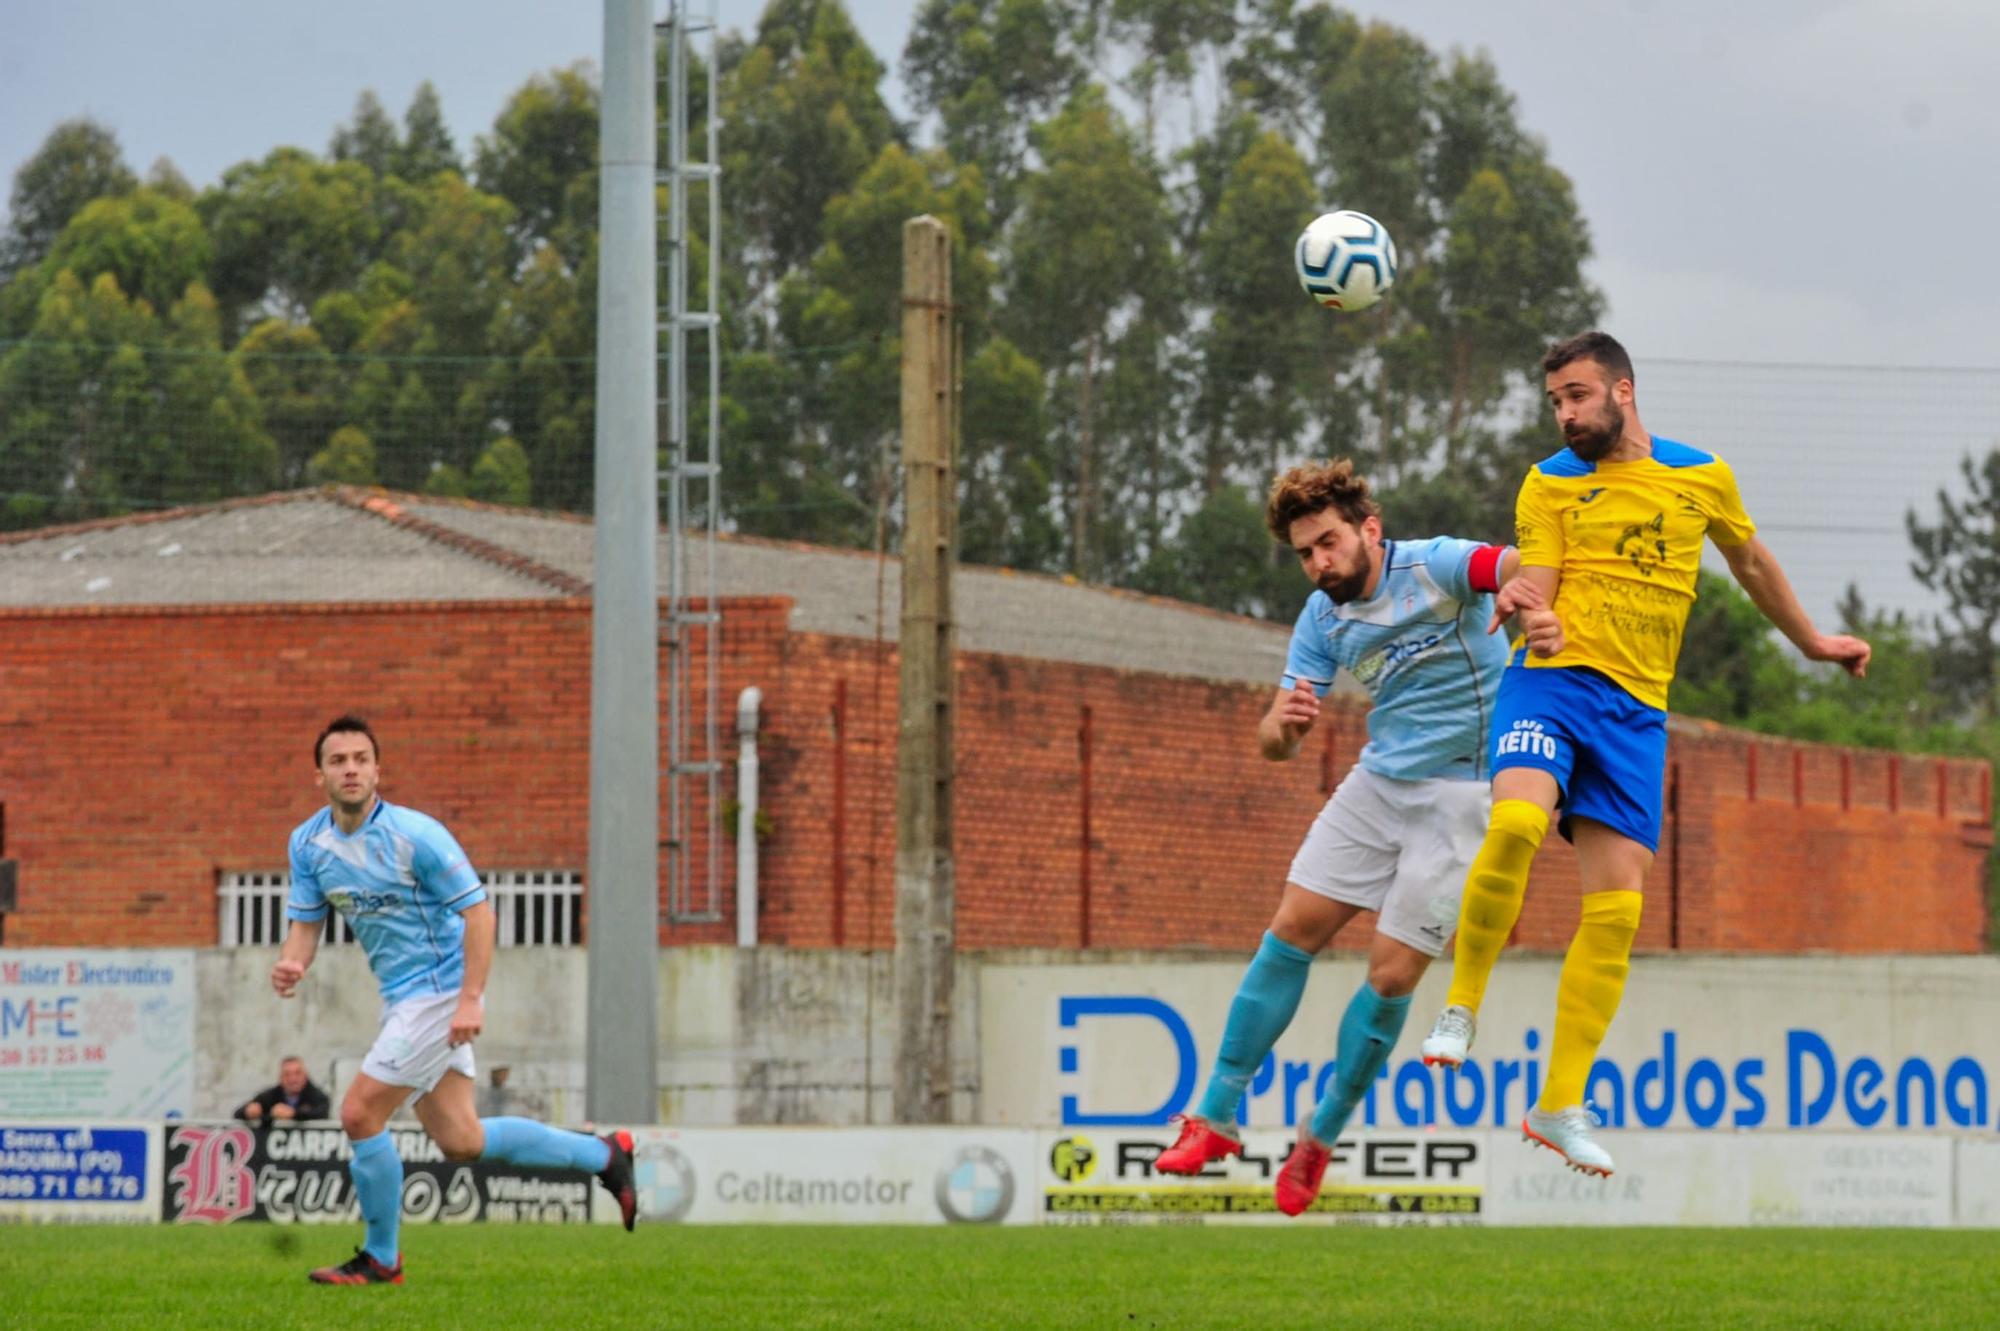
1610,532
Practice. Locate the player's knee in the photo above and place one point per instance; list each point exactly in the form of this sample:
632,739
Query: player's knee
1397,975
1518,821
358,1120
1393,981
459,1148
1613,914
1307,923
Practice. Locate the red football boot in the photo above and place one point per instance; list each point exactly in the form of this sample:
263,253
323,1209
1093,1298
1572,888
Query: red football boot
616,1176
1299,1179
1195,1147
360,1269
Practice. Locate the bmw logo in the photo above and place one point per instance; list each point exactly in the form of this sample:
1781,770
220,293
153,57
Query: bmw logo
976,1187
664,1179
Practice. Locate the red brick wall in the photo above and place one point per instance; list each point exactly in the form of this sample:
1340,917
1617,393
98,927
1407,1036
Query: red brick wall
143,752
1795,847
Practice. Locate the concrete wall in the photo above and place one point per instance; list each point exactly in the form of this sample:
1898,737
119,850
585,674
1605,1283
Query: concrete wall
770,1036
783,1036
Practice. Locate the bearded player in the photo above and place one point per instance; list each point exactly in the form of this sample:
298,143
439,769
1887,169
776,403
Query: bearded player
1410,620
1610,531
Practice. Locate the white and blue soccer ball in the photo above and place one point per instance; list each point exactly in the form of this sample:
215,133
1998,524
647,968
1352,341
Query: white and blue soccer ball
1346,260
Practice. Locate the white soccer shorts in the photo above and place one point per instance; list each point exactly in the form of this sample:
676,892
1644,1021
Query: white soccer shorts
1399,848
414,1048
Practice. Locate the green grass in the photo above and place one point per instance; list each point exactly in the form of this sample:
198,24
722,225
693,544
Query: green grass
555,1278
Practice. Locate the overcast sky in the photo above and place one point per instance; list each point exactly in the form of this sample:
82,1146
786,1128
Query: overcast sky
1791,180
1766,180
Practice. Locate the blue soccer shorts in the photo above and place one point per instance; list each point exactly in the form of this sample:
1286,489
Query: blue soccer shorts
1605,748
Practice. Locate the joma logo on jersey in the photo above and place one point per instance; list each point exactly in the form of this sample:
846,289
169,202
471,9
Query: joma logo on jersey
1527,737
1377,665
356,903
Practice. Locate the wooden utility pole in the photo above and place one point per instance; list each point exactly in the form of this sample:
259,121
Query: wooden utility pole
925,885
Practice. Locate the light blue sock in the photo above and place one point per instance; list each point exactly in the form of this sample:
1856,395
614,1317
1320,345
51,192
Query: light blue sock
1368,1031
378,1185
523,1141
1263,1007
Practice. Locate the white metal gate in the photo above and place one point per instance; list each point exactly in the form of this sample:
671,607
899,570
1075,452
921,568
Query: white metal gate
535,908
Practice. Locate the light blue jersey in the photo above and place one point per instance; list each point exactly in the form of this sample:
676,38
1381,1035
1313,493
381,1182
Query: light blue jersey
401,882
1419,646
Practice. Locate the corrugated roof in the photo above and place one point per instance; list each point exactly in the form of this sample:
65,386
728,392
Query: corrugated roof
1018,614
308,546
339,545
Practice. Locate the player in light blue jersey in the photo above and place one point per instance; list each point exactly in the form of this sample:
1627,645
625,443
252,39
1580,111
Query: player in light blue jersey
420,913
1409,620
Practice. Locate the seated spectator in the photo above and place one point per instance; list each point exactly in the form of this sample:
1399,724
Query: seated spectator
293,1098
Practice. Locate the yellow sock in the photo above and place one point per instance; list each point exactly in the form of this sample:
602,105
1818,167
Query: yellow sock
1493,892
1593,980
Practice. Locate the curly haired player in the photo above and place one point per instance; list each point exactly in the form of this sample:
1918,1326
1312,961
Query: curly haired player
1411,621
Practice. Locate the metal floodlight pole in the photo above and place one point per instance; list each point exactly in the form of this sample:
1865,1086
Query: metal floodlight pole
624,888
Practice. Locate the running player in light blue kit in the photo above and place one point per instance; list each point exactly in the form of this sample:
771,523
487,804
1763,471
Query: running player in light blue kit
1410,621
421,914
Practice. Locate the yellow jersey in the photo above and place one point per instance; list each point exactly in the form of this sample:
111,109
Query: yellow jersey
1626,537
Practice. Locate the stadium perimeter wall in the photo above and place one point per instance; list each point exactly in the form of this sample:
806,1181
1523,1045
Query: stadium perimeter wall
196,1173
150,750
1737,1090
182,1173
1125,1040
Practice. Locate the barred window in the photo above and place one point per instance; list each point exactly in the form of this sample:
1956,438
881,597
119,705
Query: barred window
535,908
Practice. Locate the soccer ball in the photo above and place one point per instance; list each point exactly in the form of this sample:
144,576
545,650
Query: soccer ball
1346,260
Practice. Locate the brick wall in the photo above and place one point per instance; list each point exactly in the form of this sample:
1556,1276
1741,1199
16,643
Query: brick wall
142,752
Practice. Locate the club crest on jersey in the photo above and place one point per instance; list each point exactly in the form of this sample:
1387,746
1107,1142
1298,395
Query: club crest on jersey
1644,544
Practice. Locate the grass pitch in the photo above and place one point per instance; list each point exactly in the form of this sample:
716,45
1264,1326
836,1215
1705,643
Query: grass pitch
554,1278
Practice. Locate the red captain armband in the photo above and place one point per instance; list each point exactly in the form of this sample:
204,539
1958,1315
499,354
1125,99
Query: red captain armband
1483,569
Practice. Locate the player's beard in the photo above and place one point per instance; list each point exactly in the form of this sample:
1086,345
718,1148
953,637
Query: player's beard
1592,442
1344,589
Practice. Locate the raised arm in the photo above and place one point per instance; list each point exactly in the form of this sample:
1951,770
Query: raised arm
1292,714
1757,572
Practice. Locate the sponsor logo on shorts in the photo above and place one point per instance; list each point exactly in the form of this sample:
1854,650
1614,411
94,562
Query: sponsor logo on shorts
393,1051
1528,737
